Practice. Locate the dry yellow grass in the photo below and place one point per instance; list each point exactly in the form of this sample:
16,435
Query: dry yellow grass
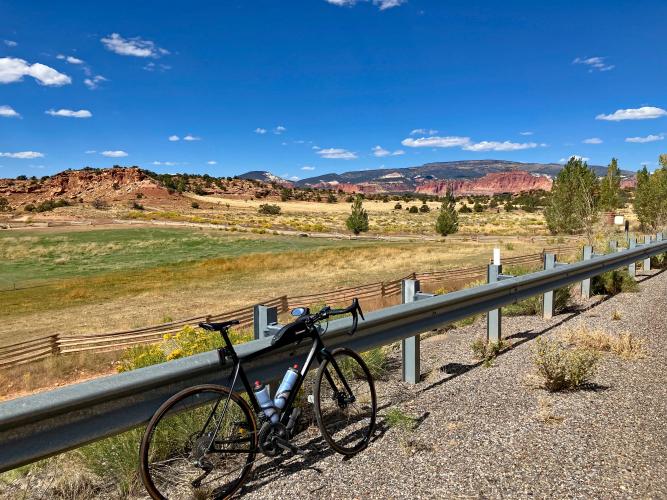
135,298
624,344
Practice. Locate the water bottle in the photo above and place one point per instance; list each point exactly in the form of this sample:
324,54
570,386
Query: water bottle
285,387
266,403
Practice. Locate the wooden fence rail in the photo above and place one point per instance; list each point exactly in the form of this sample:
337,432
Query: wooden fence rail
44,347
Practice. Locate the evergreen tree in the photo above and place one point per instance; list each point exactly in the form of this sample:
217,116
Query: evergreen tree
357,222
448,219
574,202
610,190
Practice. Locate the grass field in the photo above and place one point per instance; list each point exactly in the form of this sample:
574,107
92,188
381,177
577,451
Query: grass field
126,278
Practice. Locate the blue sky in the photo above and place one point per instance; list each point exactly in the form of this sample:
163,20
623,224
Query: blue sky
307,87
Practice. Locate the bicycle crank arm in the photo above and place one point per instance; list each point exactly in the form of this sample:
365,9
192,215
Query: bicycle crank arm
287,446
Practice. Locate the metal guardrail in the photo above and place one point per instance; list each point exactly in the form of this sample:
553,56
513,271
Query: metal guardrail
45,424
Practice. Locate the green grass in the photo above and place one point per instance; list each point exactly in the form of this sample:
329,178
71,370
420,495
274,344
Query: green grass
30,256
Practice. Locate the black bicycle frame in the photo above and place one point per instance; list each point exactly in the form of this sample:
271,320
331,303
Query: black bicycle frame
317,351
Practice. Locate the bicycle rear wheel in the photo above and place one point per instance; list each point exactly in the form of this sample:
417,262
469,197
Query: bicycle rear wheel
345,402
201,443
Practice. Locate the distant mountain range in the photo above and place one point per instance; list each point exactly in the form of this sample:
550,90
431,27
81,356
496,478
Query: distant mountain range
463,177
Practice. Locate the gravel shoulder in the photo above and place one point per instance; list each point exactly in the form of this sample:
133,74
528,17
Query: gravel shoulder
491,433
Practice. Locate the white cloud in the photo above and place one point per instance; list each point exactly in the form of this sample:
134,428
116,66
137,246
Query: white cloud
388,4
191,137
307,167
69,59
260,130
643,113
136,46
10,43
279,130
165,163
648,138
526,133
174,138
576,157
380,152
114,154
316,148
295,178
13,70
423,131
594,63
151,66
337,154
381,4
69,113
436,142
211,162
91,151
592,140
499,146
93,83
23,155
8,112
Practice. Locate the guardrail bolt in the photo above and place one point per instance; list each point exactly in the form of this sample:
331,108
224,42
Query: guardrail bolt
632,268
410,348
263,316
493,317
586,284
548,299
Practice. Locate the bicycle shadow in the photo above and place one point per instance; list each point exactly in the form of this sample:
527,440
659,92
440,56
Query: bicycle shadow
316,448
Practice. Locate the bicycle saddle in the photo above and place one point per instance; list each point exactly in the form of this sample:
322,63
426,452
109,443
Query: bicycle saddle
218,327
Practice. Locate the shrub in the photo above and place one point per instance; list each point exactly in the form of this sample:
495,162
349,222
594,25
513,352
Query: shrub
99,204
478,207
424,208
398,206
561,367
199,190
465,209
46,206
141,356
487,351
194,204
4,205
613,282
268,209
413,209
331,198
137,206
533,305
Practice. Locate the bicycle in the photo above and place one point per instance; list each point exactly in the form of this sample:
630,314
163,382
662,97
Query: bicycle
202,442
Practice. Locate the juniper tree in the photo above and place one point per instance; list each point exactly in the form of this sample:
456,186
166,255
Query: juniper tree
357,222
448,219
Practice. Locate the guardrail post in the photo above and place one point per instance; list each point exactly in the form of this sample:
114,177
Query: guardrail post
548,299
632,268
493,317
658,237
647,261
410,348
263,316
613,246
586,284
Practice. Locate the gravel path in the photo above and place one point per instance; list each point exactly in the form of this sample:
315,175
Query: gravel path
490,433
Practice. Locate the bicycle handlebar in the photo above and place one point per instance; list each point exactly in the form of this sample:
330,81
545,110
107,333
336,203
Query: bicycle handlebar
354,309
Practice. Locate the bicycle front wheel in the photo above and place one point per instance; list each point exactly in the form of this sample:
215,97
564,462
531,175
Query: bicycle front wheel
345,403
201,443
